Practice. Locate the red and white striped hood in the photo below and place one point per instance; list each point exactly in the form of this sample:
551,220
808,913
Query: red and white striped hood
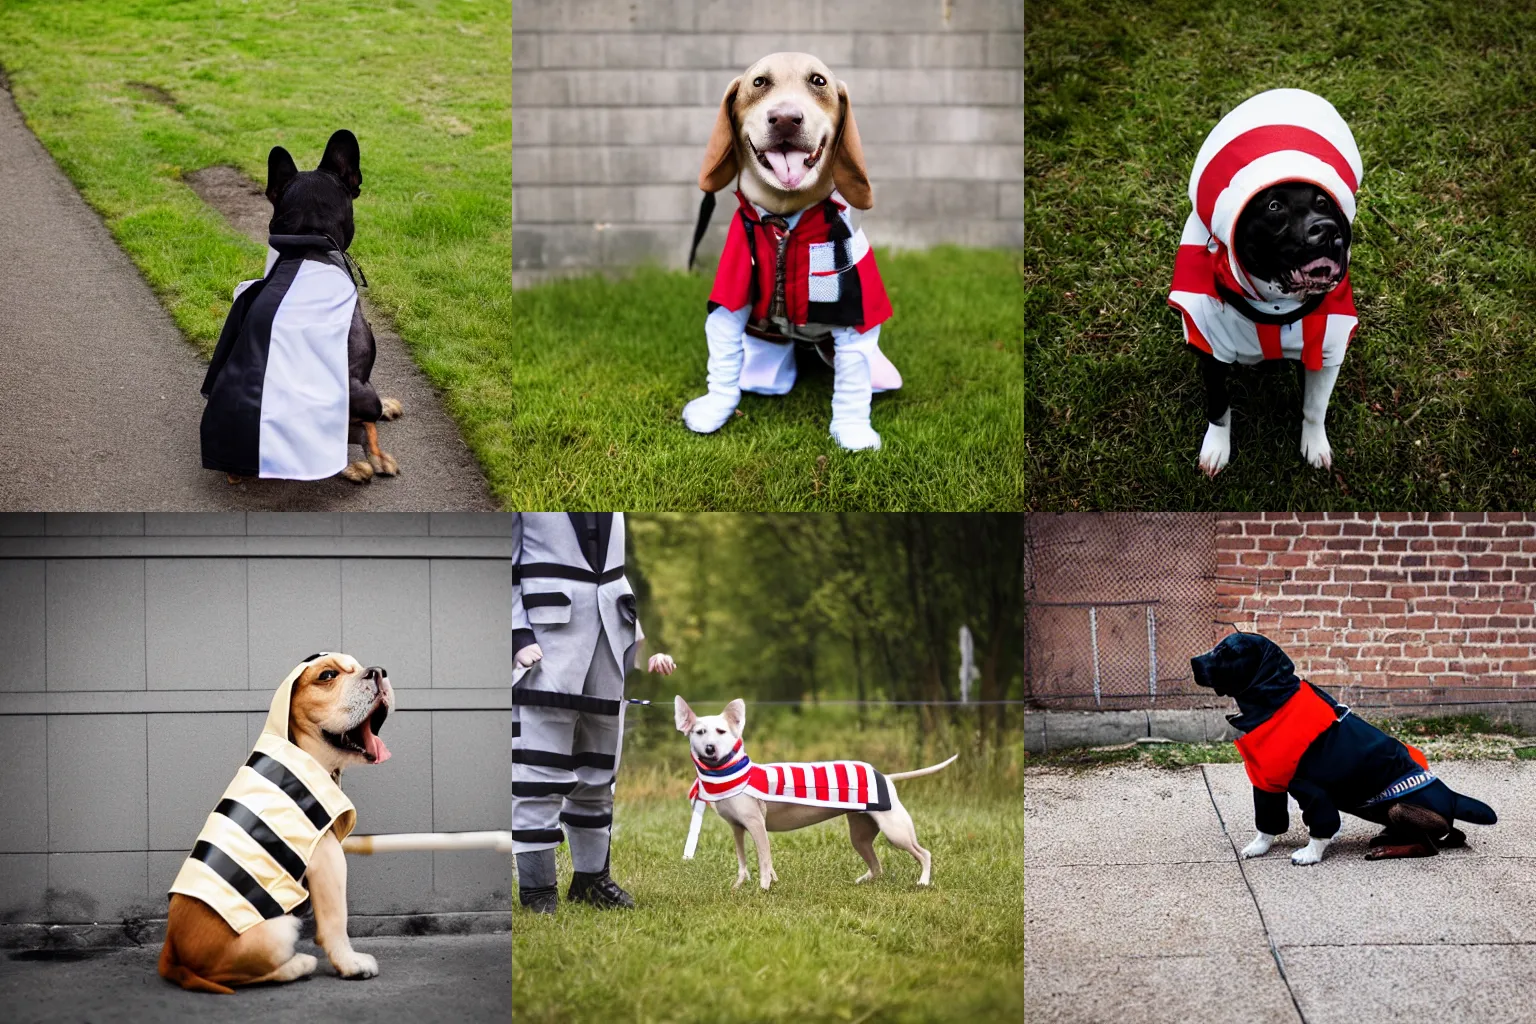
1276,136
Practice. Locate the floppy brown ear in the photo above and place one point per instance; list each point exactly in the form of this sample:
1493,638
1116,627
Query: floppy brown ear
848,172
720,165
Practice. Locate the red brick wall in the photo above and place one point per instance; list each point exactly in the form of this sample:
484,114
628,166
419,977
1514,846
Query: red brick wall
1433,608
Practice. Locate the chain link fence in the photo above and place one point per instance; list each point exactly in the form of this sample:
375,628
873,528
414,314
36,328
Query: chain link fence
1115,605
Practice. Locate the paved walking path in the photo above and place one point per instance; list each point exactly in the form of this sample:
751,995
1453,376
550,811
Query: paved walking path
1137,909
99,402
425,978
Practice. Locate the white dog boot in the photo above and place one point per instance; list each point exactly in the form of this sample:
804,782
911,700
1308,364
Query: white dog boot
708,413
851,393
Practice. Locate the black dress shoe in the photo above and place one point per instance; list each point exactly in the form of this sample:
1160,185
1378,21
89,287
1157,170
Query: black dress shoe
599,890
541,900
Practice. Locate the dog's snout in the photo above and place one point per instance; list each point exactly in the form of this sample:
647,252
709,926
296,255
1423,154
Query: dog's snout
709,749
1322,231
375,674
785,118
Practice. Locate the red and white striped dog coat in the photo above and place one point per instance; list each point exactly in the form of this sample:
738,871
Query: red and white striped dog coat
844,785
1277,136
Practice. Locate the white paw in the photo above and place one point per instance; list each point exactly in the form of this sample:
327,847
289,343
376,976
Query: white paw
1258,847
353,964
855,437
866,876
1216,449
1309,854
745,876
1314,446
708,413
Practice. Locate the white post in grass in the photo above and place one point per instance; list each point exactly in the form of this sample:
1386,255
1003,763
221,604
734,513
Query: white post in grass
969,673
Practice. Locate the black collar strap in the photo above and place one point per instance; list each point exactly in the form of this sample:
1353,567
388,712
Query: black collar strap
1258,316
298,245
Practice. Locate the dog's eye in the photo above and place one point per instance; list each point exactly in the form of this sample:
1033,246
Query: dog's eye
1321,201
720,731
327,675
818,81
1274,206
759,82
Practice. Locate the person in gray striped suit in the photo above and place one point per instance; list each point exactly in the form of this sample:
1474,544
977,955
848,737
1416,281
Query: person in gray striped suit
575,634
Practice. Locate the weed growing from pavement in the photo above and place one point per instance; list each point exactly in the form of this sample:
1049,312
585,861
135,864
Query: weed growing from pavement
1436,404
816,946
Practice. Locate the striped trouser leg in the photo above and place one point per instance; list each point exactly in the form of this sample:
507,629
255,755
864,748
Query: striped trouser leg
588,809
542,775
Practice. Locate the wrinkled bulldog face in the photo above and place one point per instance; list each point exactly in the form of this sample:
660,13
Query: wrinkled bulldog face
786,112
337,709
1294,236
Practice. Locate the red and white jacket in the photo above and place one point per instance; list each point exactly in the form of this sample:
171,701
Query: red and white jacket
1276,136
845,785
829,275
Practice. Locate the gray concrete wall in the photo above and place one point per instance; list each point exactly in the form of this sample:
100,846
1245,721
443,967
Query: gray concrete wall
139,653
613,100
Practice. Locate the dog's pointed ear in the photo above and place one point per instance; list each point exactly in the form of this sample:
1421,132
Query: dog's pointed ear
848,172
343,159
735,716
682,714
281,170
720,166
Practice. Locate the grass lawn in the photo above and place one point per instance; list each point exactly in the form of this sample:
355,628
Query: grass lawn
604,367
128,95
1436,404
815,947
570,395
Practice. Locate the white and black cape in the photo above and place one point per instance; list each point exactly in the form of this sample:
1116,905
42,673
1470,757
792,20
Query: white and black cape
277,386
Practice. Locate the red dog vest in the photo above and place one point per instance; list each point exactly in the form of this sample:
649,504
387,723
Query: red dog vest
819,275
1272,751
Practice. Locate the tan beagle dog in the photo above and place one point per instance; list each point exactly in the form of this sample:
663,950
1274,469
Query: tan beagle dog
274,839
794,267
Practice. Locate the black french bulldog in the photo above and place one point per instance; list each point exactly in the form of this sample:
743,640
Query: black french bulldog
312,212
1294,236
1298,741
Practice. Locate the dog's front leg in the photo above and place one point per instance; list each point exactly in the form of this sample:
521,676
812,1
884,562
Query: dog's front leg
759,829
1314,407
742,874
1216,448
328,895
1312,852
1259,845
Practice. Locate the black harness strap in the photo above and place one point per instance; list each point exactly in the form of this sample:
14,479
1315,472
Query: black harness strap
270,841
291,784
225,867
706,210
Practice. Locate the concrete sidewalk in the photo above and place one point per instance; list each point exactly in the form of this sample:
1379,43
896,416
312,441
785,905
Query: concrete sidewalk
1138,911
421,979
99,392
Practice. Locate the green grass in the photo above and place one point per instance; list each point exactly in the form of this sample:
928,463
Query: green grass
1436,404
128,95
815,947
570,395
604,367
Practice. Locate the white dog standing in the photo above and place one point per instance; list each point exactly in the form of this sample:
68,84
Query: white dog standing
759,799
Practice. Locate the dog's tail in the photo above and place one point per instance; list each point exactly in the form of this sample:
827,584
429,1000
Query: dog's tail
929,770
1474,811
182,975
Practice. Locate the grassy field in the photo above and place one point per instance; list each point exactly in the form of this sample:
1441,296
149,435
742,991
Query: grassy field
570,395
605,366
1436,404
816,947
128,95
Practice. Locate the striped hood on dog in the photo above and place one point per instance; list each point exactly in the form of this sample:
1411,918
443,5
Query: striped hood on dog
1284,135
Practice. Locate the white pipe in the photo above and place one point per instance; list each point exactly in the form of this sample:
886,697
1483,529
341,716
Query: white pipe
403,842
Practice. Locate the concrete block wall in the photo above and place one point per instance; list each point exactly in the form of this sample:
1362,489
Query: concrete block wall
613,102
1433,607
138,655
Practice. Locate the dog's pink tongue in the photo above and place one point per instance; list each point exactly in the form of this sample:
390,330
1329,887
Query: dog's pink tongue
788,167
374,745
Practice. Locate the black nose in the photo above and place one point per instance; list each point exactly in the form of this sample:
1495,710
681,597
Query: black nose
1322,232
709,748
374,672
785,118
